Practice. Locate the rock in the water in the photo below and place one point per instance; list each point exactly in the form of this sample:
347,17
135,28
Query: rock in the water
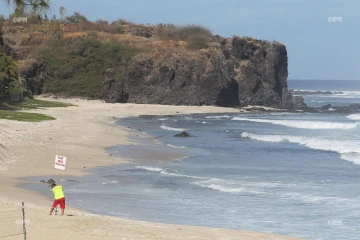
326,107
355,106
183,134
299,103
43,181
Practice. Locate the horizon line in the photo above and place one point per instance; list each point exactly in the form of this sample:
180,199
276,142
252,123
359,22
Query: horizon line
323,79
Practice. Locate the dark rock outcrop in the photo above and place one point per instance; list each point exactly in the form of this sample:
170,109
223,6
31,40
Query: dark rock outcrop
240,72
183,134
35,76
110,91
260,69
328,108
299,103
9,52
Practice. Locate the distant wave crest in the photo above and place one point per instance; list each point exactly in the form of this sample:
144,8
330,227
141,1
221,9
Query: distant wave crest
342,94
164,172
354,117
174,146
172,129
303,124
348,149
218,117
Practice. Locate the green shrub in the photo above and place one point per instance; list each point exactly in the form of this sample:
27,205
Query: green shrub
122,22
76,67
76,18
196,36
102,22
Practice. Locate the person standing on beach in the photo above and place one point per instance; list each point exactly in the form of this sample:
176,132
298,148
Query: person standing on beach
59,198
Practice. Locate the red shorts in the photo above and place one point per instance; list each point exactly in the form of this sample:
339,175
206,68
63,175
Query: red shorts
60,201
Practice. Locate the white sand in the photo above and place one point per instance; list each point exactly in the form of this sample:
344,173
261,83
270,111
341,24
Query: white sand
82,133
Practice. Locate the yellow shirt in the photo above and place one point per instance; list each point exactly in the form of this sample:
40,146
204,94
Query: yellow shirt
58,192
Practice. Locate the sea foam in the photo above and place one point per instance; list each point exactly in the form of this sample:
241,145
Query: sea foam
172,129
227,186
348,149
164,172
218,117
354,117
303,124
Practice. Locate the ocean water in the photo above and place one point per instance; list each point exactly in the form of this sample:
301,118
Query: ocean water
343,92
295,174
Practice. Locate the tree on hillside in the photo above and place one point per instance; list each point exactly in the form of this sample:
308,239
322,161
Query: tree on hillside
62,11
76,18
9,78
1,35
21,6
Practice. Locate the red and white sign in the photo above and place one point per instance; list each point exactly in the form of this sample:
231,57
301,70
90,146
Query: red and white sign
60,162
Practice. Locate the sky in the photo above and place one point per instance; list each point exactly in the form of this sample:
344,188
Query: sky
318,48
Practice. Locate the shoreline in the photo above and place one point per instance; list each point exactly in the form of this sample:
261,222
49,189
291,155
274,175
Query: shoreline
83,133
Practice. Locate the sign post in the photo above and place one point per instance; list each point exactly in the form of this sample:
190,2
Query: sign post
60,164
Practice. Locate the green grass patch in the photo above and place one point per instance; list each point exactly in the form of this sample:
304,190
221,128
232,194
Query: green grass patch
11,111
36,103
24,116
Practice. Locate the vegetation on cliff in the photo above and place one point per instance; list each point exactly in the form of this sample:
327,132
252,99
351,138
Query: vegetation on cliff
76,52
10,81
163,64
76,67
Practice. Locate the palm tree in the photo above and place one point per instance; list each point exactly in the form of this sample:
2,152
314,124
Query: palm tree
8,68
1,35
21,6
62,11
8,75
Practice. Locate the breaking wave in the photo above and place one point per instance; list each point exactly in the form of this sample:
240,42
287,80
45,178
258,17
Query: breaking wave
304,124
218,117
174,146
226,186
172,129
348,149
164,172
354,117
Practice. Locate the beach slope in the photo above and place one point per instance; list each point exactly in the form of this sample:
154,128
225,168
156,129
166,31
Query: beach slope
82,133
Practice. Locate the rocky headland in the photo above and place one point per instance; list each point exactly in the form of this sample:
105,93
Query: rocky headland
192,68
240,72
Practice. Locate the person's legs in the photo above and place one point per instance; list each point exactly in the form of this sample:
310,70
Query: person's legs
62,206
51,210
56,202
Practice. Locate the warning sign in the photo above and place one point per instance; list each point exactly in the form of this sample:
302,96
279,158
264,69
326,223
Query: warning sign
60,162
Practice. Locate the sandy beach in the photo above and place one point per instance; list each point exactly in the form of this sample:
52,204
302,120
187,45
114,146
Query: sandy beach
82,133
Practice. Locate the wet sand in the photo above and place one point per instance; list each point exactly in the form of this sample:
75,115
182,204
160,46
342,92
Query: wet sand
83,134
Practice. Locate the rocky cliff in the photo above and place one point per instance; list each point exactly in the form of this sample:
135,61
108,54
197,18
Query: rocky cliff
150,64
240,71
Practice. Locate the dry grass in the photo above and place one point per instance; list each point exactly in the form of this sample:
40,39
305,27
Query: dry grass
26,64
